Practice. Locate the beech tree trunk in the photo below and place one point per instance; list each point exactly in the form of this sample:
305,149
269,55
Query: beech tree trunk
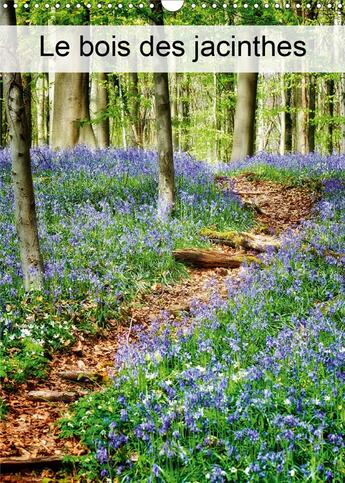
342,113
302,116
330,105
174,110
42,92
166,184
134,110
288,117
71,111
99,108
286,136
185,113
244,124
1,112
311,119
24,199
27,96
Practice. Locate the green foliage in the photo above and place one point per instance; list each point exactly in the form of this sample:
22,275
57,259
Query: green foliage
21,359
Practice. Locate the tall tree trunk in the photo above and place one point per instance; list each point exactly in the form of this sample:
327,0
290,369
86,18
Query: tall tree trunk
42,92
166,184
330,105
123,117
289,119
311,119
342,113
215,117
71,116
261,125
185,111
302,116
134,109
166,197
27,96
99,109
174,110
244,124
283,96
1,112
24,199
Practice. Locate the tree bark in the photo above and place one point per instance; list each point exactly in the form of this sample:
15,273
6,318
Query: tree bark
311,119
54,396
175,110
209,258
134,110
24,199
244,124
71,116
302,116
1,111
185,113
19,464
99,108
330,105
342,113
288,119
166,183
42,91
27,96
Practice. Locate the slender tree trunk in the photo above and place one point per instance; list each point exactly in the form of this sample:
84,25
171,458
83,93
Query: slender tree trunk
24,199
51,90
166,184
282,140
244,124
215,116
288,119
230,115
312,106
330,102
99,109
71,111
342,113
261,126
134,109
122,108
174,109
302,116
1,112
27,96
185,111
42,91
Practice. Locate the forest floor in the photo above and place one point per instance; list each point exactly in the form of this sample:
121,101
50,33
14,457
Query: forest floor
29,429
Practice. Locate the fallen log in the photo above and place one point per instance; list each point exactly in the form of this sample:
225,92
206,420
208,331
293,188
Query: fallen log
208,258
249,241
54,396
81,376
14,465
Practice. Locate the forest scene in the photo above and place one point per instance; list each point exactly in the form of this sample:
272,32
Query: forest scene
172,251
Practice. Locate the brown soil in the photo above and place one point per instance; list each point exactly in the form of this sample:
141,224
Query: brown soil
29,429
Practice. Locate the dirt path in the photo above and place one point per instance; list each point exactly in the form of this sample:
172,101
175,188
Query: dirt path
29,429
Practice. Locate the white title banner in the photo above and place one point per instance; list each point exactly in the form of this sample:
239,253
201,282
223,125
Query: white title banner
172,49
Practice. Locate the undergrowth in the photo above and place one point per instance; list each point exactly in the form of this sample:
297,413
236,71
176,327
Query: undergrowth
247,389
